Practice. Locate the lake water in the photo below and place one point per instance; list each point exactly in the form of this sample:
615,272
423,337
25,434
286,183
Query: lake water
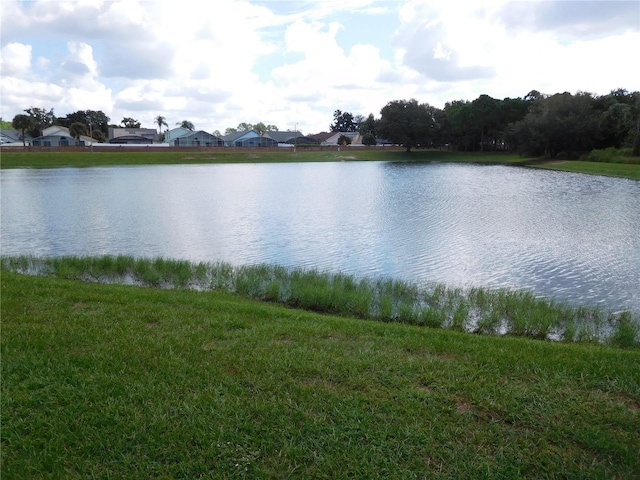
568,236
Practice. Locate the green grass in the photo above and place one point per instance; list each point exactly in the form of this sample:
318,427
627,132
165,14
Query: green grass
625,170
43,159
477,310
113,381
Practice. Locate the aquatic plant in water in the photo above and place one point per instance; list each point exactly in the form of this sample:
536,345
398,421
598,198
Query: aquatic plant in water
477,310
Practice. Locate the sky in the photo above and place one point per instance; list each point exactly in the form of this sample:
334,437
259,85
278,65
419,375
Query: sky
293,63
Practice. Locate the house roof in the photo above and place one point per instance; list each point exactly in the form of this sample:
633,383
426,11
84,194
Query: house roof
284,136
63,132
201,133
232,137
8,135
130,138
322,136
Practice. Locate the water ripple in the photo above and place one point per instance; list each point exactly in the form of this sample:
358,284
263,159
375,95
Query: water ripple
562,235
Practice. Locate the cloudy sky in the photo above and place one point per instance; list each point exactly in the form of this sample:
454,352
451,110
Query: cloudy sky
293,63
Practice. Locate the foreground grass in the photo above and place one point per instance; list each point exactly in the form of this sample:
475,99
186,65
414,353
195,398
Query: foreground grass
112,381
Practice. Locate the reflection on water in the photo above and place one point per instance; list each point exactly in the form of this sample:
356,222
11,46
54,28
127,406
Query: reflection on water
569,236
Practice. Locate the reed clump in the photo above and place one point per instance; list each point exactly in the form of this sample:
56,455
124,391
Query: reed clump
474,310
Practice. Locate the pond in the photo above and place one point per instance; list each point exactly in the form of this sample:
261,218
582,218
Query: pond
567,236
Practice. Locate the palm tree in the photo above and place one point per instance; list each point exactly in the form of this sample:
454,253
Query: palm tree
162,122
186,124
22,122
77,129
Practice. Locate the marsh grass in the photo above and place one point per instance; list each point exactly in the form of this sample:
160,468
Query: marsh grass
478,310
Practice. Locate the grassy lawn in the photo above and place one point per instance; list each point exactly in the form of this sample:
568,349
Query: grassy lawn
110,381
39,159
17,159
627,170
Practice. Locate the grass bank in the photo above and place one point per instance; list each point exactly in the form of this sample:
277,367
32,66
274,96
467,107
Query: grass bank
473,310
40,159
113,381
624,170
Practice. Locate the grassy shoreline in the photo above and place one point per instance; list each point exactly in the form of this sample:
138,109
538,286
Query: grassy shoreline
113,381
473,310
10,159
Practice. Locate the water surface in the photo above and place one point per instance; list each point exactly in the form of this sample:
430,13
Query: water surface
569,236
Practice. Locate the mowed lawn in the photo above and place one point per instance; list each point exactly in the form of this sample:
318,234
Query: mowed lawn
110,381
42,159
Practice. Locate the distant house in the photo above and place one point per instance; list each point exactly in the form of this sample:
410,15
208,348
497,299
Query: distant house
56,136
321,137
356,138
131,136
171,135
197,139
10,138
289,137
249,138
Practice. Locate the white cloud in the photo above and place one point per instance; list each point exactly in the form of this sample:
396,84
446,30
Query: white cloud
16,59
294,62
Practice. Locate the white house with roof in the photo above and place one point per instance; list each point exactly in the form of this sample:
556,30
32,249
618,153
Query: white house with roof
57,136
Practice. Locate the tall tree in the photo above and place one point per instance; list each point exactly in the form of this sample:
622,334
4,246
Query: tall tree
186,124
368,125
459,124
408,123
244,127
41,119
96,121
559,123
261,128
77,129
23,123
128,122
343,122
161,122
486,111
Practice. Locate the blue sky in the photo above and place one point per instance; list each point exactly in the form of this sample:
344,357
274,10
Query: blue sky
293,63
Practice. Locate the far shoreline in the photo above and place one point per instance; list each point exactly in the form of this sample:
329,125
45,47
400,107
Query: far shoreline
16,157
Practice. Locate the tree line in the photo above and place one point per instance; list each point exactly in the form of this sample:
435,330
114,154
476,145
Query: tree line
562,124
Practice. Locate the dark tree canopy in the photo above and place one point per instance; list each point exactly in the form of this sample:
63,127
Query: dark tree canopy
97,122
343,122
408,123
77,129
368,125
41,119
23,123
369,139
559,123
128,122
